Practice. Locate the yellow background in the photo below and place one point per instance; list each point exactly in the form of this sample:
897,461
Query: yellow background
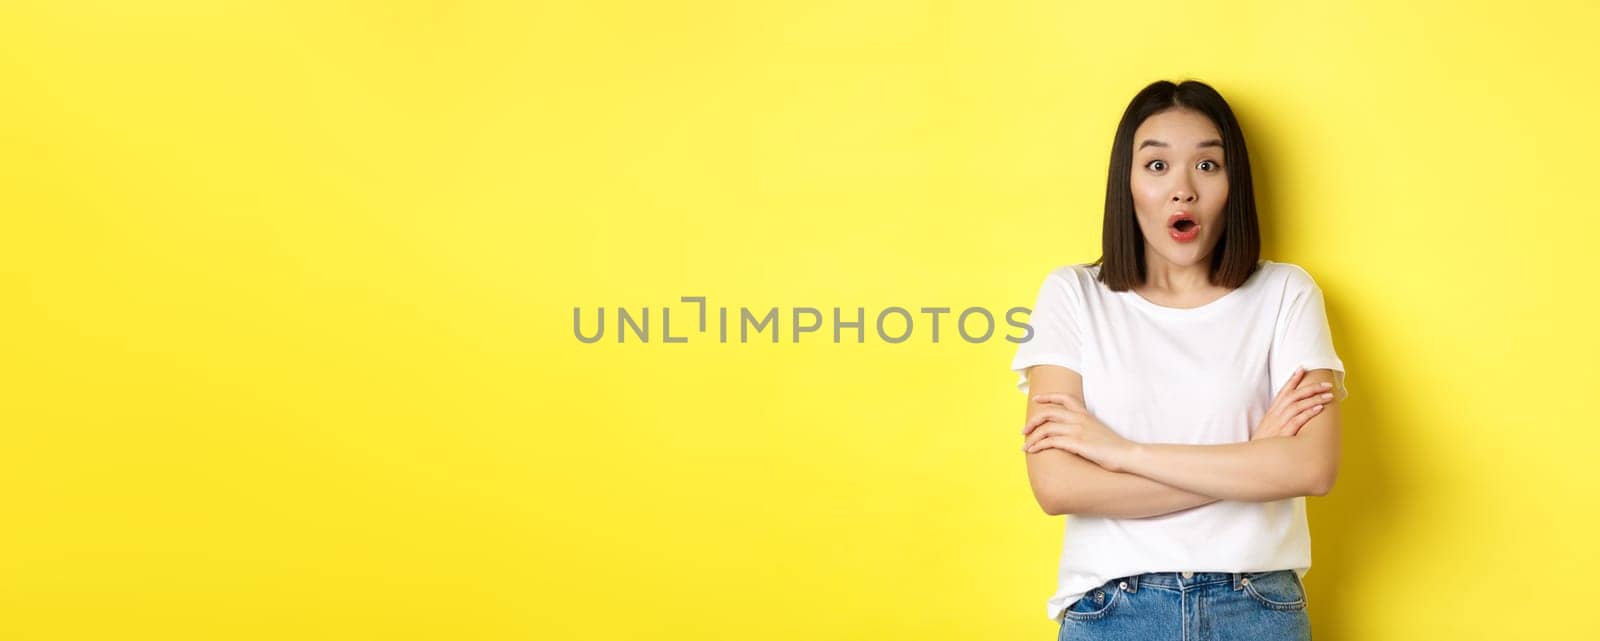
288,294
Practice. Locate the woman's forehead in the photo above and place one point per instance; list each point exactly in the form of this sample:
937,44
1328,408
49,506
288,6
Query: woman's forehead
1175,128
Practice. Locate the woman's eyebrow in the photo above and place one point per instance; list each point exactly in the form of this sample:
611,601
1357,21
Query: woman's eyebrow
1151,142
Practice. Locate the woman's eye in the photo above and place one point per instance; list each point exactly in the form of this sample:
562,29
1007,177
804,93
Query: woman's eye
1207,162
1152,165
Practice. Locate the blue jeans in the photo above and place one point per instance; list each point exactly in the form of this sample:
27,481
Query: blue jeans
1192,606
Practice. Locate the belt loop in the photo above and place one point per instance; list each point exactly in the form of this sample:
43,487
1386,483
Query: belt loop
1237,584
1133,583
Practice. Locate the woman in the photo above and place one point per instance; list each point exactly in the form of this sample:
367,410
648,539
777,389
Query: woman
1184,396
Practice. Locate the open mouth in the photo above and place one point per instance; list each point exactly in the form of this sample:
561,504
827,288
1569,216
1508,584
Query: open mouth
1183,227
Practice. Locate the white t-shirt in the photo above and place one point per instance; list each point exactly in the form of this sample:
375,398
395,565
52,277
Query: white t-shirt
1203,375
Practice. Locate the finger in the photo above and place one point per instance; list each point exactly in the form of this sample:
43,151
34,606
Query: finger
1048,429
1027,443
1281,410
1313,389
1287,403
1065,400
1034,419
1294,409
1040,416
1035,437
1319,399
1046,414
1302,418
1046,444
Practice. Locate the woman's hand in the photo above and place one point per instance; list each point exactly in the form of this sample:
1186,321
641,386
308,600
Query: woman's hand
1067,425
1292,408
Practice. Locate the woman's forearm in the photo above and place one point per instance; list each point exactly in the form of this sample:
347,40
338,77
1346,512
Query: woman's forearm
1070,484
1260,470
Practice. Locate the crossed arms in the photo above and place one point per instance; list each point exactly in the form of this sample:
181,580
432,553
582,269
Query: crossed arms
1152,479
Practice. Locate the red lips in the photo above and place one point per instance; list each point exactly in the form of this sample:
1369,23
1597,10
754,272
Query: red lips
1183,227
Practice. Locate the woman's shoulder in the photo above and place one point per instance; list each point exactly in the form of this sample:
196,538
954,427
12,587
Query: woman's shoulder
1077,276
1289,275
1076,270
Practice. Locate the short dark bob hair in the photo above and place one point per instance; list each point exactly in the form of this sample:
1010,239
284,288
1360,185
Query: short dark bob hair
1237,254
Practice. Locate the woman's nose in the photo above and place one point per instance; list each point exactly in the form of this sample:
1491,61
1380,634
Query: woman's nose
1185,196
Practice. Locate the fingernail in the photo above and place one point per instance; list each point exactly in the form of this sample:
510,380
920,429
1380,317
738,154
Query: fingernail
1327,397
1326,385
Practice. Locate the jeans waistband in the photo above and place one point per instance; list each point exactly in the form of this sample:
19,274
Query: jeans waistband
1185,580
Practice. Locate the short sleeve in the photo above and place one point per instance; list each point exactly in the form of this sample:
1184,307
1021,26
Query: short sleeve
1055,339
1302,337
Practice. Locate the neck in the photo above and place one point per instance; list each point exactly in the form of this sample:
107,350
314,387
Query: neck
1163,275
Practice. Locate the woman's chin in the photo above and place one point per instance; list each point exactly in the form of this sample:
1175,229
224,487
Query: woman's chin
1183,255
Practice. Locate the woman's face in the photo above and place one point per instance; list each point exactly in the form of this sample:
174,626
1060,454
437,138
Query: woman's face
1179,186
